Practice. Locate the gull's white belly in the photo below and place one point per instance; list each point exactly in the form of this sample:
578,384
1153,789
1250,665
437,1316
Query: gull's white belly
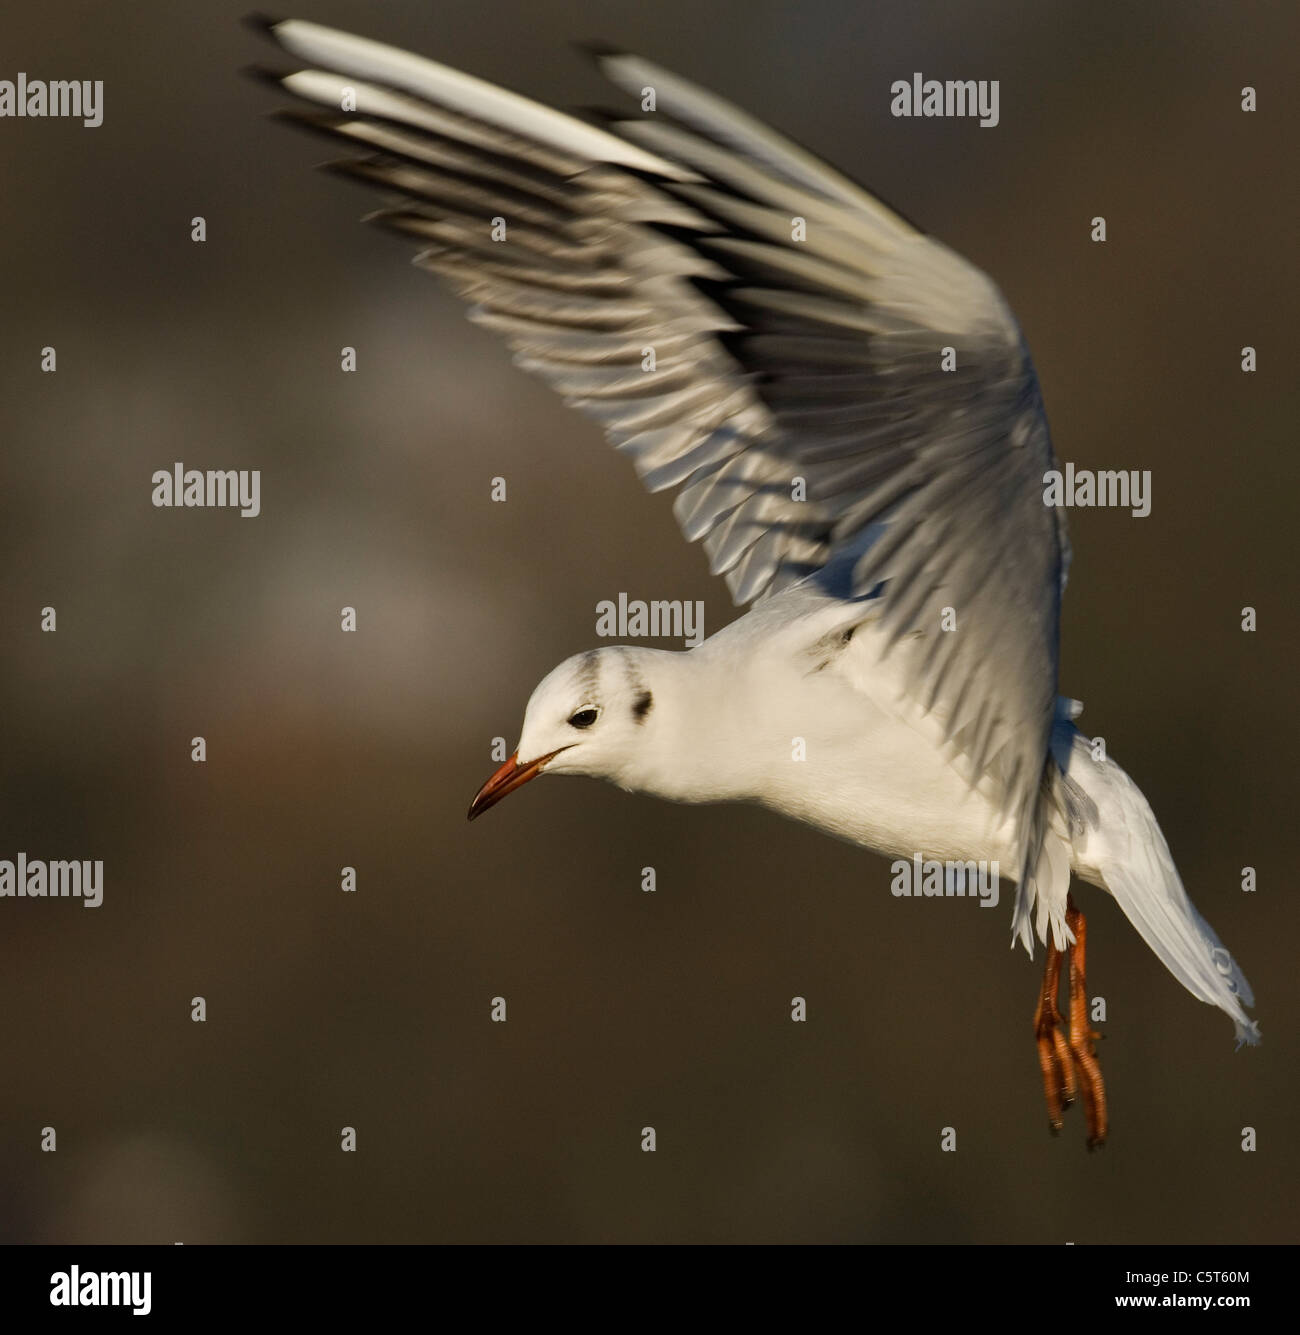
785,708
879,782
838,747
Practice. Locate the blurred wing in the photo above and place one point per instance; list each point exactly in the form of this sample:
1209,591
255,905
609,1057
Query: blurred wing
750,326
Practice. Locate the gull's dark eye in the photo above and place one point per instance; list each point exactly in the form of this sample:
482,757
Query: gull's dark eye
584,718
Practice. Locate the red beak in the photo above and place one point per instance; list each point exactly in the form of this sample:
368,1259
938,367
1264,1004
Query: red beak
510,776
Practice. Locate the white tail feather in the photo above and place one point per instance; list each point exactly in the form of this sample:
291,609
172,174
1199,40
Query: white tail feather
1118,845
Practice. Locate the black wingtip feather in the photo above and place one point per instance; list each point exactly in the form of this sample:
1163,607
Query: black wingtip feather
353,169
605,117
264,74
596,50
261,23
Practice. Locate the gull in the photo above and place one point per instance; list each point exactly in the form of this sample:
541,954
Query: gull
855,432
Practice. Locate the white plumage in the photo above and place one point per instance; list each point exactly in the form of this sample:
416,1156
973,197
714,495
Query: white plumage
798,327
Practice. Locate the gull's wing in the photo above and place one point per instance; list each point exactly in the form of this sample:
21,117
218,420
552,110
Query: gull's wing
750,326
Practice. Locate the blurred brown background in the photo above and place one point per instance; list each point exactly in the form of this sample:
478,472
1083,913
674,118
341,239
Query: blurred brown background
626,1009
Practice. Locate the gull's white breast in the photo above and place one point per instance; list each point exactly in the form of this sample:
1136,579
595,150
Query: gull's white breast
779,708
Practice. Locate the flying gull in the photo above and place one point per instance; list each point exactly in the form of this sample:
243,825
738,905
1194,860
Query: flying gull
854,429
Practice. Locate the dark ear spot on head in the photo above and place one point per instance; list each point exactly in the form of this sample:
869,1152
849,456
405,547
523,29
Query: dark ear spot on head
642,706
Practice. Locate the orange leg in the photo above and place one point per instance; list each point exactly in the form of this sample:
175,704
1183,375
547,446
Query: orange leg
1053,1054
1082,1036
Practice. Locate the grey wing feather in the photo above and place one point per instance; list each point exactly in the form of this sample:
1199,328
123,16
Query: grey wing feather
774,358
